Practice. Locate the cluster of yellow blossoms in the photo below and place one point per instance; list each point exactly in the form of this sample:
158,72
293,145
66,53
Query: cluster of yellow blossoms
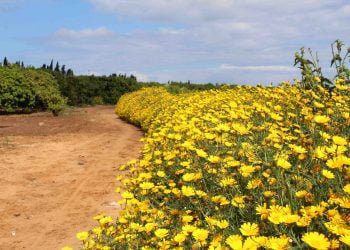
235,168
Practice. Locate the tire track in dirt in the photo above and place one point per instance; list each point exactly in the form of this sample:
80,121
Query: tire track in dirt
56,177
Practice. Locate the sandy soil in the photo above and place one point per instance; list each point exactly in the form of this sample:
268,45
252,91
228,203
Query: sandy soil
57,173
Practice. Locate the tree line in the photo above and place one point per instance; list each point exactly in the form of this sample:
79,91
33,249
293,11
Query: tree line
77,90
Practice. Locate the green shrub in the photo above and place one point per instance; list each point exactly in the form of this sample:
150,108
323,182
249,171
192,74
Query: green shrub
91,90
29,90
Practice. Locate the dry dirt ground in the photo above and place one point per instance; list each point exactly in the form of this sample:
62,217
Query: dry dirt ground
57,173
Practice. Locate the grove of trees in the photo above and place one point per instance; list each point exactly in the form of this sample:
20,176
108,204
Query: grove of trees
52,87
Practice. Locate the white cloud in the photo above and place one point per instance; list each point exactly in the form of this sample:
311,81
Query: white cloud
273,68
90,73
169,31
10,5
83,34
205,40
208,10
140,76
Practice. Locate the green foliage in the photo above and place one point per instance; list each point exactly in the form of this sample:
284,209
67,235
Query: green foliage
16,93
311,70
339,60
91,90
78,90
180,87
28,90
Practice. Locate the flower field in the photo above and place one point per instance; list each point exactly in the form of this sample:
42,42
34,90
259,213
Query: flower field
239,168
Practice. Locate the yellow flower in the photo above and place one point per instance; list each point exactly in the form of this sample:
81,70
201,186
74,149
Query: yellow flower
238,201
317,79
246,170
316,240
189,177
276,117
340,141
66,248
223,128
269,194
146,185
304,221
276,217
291,218
161,174
236,243
254,183
127,195
328,174
82,235
336,162
283,163
227,182
345,239
339,81
324,135
280,214
122,220
318,105
346,188
180,237
263,211
222,200
105,220
161,233
301,193
201,153
214,159
188,191
320,153
249,229
334,244
298,149
187,218
281,243
136,226
200,234
188,229
150,226
322,119
201,193
222,224
240,129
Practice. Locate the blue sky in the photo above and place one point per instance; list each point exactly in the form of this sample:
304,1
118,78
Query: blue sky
233,41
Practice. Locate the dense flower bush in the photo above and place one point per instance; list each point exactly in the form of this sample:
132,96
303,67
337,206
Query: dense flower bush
141,107
242,168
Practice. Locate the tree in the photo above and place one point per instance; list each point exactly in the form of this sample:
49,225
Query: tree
70,72
51,65
63,69
57,68
22,65
6,63
44,66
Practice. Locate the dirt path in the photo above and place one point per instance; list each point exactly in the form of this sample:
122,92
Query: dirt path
58,173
